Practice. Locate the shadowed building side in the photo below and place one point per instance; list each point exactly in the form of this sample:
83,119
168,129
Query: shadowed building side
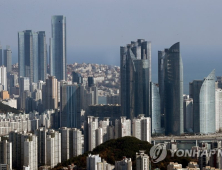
173,88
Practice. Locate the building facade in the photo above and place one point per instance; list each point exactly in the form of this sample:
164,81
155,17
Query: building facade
203,94
58,48
70,106
135,70
8,59
173,91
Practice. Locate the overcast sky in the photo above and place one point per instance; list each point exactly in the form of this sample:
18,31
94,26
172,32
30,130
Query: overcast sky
97,28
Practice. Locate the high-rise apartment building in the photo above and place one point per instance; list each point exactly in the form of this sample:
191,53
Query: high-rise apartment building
70,106
41,133
3,77
8,59
92,161
141,128
6,153
142,161
188,114
92,126
53,148
50,93
71,143
135,72
24,150
58,47
32,56
122,127
171,88
203,94
155,109
125,164
30,152
218,109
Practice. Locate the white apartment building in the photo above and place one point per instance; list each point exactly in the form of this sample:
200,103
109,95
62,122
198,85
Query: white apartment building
218,109
122,127
53,148
6,153
142,161
141,128
30,152
3,77
92,161
125,164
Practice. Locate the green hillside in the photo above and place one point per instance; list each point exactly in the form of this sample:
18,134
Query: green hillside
5,108
115,149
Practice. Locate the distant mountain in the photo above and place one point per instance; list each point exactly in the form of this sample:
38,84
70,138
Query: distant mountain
114,150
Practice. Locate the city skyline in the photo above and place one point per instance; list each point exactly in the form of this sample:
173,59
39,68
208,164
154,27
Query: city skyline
137,101
198,31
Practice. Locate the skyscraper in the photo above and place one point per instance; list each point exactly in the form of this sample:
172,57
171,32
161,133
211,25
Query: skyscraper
27,54
173,90
1,62
3,77
135,70
155,109
203,94
161,70
58,48
42,56
32,55
70,107
8,59
77,78
50,93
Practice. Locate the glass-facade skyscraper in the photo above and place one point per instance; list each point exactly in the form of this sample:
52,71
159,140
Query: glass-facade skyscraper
203,94
27,44
58,48
42,59
172,77
135,72
155,109
8,59
31,54
70,106
1,55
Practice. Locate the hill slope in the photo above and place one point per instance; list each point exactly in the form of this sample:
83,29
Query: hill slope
5,108
115,149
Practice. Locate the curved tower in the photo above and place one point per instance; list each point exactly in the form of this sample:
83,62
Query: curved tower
203,94
207,104
173,91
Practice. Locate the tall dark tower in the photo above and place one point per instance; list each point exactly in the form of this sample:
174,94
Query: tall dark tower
58,48
1,61
42,56
8,59
135,70
173,90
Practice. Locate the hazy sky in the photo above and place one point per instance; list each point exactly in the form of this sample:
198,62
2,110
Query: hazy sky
97,28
